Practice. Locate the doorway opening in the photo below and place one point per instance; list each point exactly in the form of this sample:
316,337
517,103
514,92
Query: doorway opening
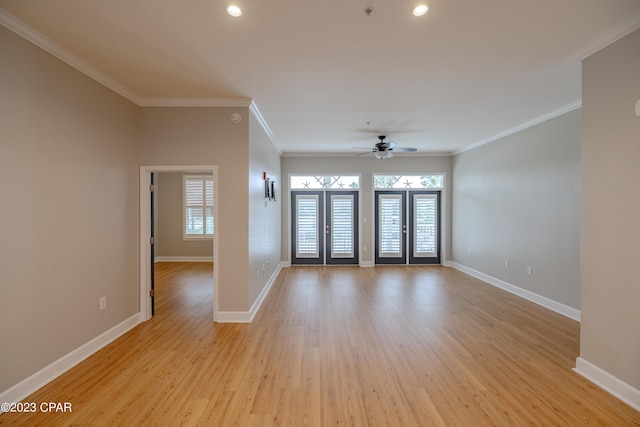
407,227
324,227
148,175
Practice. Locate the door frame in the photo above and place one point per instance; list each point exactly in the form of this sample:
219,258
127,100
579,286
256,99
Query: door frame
145,232
328,259
408,204
358,221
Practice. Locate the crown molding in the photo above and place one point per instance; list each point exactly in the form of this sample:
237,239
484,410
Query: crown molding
624,28
543,118
195,102
253,108
28,33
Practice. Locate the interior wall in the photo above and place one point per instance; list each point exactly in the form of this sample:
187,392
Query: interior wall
69,221
609,337
169,240
264,216
367,167
517,200
185,136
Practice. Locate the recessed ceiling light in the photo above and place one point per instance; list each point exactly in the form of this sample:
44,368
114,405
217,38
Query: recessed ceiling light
420,9
234,10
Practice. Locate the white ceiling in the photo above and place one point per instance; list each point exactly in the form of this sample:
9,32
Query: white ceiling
326,77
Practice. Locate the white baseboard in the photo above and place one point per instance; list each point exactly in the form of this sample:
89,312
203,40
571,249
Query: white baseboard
247,316
256,305
565,310
367,264
183,259
606,381
233,317
30,384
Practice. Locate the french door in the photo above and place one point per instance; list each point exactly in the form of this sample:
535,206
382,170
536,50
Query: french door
324,227
407,227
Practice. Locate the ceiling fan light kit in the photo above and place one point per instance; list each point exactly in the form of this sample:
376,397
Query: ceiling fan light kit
384,149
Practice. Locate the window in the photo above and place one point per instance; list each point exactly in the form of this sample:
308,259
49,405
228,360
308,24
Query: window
324,182
198,206
409,181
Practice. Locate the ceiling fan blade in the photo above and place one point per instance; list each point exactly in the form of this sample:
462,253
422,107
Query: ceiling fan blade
364,154
390,144
404,149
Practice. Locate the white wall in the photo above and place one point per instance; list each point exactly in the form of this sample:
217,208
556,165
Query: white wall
610,335
169,240
264,217
69,216
206,136
367,167
518,199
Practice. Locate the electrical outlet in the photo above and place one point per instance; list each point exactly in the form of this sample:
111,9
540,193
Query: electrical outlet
506,264
529,271
469,252
103,303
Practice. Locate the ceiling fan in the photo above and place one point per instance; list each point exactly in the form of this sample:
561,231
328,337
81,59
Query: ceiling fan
385,149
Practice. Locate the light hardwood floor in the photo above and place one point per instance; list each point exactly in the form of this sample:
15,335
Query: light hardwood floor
384,346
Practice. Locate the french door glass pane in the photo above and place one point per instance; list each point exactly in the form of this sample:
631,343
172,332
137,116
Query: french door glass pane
390,223
342,226
307,226
425,227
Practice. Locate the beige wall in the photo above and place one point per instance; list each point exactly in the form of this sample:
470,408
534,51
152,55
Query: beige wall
264,218
367,167
610,338
69,216
206,136
169,241
518,198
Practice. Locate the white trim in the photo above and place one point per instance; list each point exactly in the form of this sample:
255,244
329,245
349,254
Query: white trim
47,374
611,36
45,43
565,310
145,214
267,287
184,259
233,317
367,264
247,316
540,119
609,383
253,108
195,102
28,33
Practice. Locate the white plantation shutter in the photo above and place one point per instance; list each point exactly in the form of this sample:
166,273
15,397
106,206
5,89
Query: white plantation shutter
307,245
198,206
426,225
390,225
342,230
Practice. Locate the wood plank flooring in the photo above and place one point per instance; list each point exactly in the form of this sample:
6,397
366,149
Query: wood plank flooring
384,346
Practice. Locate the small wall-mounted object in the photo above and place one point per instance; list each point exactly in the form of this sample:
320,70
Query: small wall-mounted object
269,188
638,108
235,118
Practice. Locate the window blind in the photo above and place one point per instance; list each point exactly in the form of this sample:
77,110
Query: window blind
198,206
